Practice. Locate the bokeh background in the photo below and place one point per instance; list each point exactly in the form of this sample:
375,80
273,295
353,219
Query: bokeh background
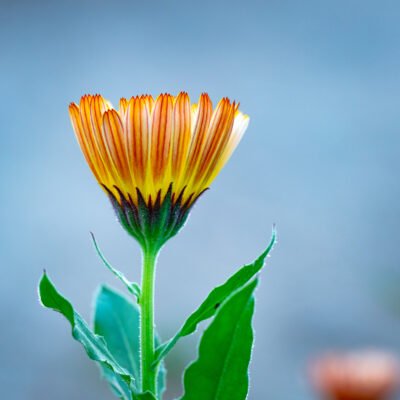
320,81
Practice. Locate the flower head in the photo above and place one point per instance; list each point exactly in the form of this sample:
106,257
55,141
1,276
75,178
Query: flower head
368,375
154,158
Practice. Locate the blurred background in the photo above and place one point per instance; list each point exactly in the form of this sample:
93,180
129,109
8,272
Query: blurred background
320,81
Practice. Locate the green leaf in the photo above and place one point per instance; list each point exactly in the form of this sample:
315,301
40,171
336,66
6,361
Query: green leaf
161,377
132,287
144,396
220,372
94,345
118,386
214,300
117,319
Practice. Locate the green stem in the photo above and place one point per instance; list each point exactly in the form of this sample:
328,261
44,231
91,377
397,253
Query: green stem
147,321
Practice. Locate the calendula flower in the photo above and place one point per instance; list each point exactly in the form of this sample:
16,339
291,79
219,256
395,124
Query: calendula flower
154,158
365,375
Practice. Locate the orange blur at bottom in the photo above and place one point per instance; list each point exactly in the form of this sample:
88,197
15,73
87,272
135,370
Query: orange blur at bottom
364,375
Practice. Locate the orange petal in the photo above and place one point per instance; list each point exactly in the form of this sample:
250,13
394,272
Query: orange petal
137,138
181,136
112,130
97,108
217,138
202,119
161,130
80,135
123,105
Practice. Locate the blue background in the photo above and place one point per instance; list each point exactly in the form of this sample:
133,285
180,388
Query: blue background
320,81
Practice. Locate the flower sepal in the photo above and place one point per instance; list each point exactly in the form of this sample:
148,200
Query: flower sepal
152,223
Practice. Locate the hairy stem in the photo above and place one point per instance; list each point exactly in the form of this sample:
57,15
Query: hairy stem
147,322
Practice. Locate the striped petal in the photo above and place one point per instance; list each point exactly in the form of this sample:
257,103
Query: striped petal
112,131
160,151
148,144
137,139
181,137
202,116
